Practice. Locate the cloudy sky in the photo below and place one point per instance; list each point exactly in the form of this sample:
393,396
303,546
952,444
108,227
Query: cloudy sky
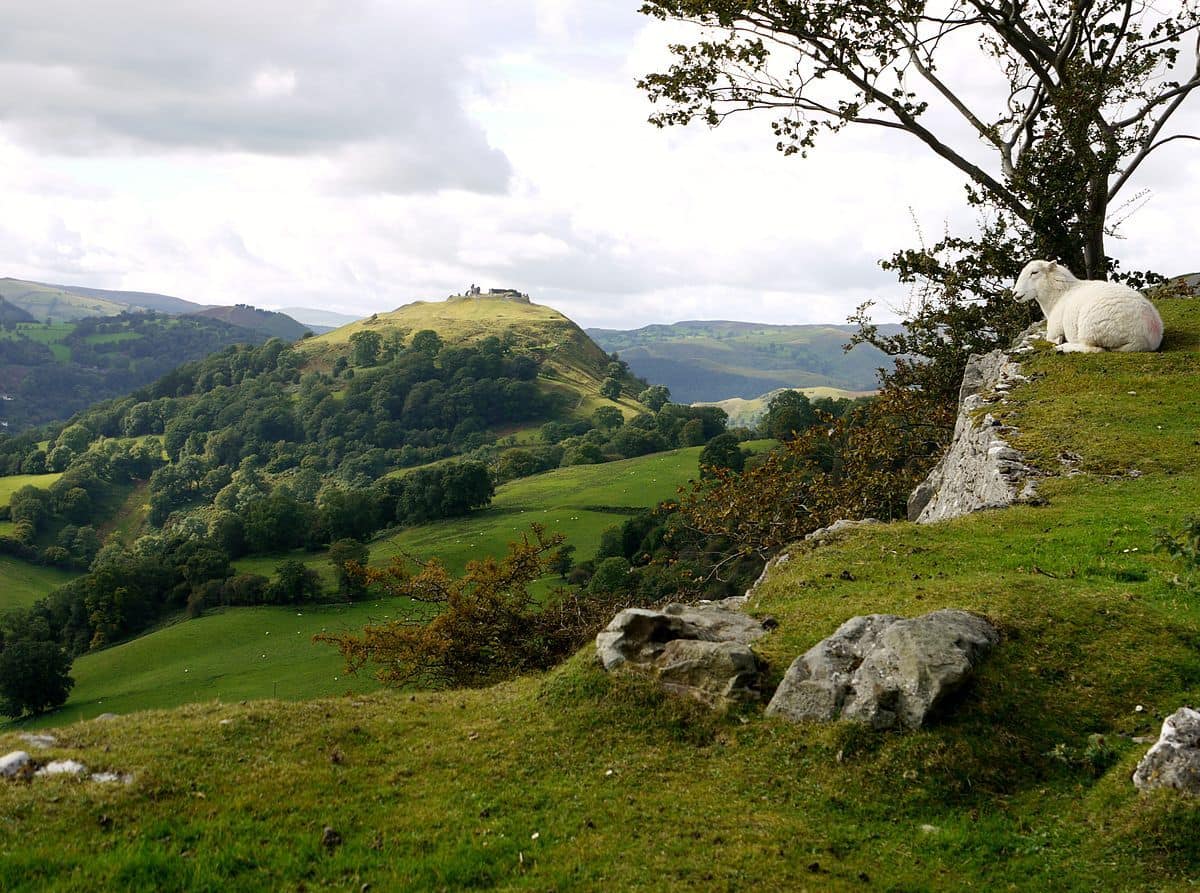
355,155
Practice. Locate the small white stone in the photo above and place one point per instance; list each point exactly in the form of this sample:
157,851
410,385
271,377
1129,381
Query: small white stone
62,767
12,764
39,742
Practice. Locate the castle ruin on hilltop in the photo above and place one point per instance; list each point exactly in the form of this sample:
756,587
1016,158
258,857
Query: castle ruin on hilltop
511,294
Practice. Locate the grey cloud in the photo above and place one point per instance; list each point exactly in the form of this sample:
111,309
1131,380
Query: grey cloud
377,82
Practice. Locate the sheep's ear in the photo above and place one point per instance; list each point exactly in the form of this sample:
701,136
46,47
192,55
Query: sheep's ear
1052,265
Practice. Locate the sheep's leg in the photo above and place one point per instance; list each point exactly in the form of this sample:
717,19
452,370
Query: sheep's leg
1076,347
1055,333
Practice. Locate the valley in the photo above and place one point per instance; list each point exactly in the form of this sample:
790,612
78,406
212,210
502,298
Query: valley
709,361
241,653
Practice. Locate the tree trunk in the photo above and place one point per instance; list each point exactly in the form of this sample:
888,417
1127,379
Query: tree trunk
1094,260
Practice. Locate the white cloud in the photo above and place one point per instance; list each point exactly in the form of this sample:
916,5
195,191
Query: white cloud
359,155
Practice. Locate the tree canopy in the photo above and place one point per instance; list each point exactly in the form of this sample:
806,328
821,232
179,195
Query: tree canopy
1084,91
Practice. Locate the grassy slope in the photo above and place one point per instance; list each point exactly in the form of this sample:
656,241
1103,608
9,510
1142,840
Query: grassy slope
22,583
267,652
65,303
49,303
14,482
575,779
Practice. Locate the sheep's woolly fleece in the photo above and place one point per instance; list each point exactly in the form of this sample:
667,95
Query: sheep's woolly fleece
1086,315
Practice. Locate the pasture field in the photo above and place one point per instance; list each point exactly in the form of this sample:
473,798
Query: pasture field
579,502
22,583
576,779
10,484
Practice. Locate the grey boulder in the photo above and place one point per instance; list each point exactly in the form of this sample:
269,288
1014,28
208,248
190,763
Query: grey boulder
712,672
639,635
1174,760
885,671
699,650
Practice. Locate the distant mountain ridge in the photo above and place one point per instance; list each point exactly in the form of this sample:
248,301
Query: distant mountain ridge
46,302
271,323
66,303
713,360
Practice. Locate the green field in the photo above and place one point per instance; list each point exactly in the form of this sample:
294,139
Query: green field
22,583
14,482
221,654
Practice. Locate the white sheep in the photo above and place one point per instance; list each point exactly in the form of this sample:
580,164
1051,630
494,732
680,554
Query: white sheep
1088,315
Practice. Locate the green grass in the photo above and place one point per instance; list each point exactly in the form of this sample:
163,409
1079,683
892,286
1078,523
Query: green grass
14,482
127,519
227,655
50,334
22,583
578,780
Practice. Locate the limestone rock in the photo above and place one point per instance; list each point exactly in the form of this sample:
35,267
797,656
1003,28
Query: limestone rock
711,671
980,470
700,650
15,764
38,741
883,670
778,561
817,683
638,635
1174,760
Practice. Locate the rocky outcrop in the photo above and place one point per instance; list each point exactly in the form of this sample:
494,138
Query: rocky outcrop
1174,760
980,470
885,671
699,650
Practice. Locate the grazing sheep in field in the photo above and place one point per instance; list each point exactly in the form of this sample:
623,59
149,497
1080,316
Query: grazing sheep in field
1087,315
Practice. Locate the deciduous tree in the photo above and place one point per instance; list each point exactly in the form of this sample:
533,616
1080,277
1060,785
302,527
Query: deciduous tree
1084,91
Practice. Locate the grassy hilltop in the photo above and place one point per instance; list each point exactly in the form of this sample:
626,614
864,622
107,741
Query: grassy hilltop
576,780
572,361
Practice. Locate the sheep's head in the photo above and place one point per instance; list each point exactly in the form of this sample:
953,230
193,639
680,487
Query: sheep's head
1042,281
